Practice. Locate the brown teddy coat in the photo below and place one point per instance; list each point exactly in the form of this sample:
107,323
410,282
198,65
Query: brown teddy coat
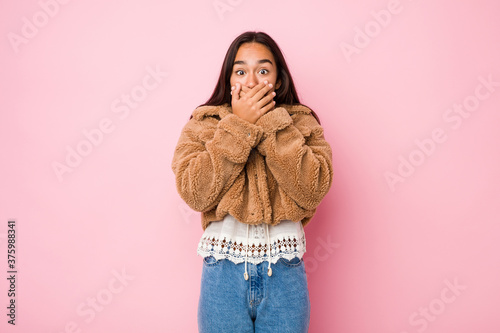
278,168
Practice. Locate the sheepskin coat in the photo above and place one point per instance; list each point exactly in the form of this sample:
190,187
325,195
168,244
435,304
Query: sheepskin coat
278,168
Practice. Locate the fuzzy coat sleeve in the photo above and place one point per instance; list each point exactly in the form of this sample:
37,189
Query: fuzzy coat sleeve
298,155
209,155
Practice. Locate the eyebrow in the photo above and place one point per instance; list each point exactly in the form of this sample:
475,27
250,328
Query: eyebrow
261,61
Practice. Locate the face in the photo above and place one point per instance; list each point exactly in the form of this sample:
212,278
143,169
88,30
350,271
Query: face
253,64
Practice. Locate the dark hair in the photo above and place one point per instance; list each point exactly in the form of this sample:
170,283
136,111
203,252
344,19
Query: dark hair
285,94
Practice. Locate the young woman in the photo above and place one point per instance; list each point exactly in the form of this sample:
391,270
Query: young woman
255,162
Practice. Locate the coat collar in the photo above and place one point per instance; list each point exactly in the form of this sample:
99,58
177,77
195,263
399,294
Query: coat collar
225,109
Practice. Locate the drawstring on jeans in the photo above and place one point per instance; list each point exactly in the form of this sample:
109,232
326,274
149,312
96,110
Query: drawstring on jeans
268,252
268,248
246,255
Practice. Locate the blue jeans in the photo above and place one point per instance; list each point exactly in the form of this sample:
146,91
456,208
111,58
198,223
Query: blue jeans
229,303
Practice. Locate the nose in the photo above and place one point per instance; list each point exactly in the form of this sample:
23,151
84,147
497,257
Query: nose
251,80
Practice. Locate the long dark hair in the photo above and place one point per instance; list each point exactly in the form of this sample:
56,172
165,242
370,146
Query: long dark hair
285,94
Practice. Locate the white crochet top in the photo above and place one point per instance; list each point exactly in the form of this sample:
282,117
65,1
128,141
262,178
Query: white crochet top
229,238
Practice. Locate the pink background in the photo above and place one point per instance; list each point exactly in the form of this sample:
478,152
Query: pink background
420,255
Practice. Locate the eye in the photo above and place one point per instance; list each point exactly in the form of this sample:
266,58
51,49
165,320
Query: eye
266,71
238,71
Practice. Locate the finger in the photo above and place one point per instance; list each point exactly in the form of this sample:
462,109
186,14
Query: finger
235,92
256,89
268,107
245,89
262,92
266,99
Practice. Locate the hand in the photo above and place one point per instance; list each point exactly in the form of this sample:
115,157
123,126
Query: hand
244,90
253,103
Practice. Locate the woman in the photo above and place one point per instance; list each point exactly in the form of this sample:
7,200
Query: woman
255,162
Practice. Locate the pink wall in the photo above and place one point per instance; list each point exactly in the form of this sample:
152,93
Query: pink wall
407,240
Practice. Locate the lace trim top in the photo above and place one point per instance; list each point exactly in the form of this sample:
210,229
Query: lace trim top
230,239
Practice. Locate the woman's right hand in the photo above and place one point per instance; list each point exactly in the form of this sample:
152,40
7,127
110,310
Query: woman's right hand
254,103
